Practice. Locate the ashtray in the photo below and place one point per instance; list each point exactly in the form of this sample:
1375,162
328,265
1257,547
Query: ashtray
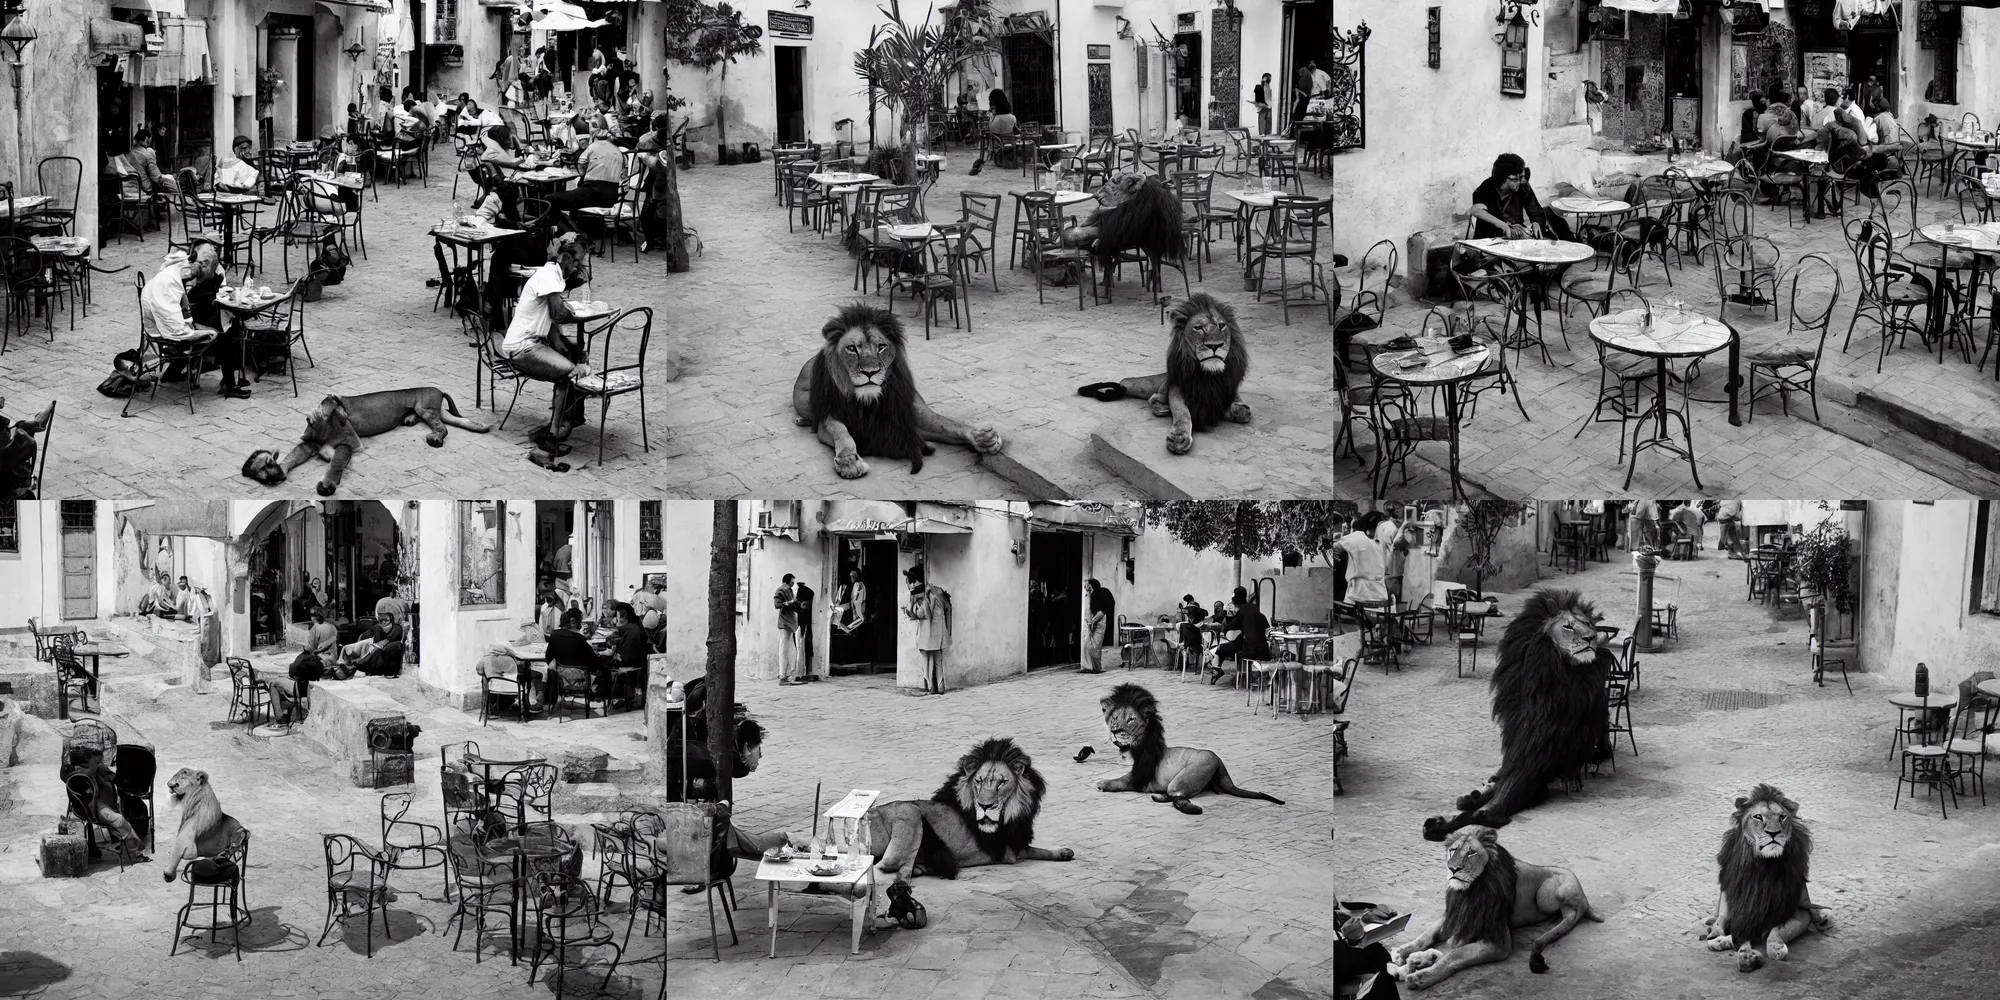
1399,344
825,871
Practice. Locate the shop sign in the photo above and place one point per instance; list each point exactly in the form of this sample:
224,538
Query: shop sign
785,24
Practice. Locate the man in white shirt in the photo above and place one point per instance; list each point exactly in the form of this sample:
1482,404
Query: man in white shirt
1818,114
1860,124
534,345
1322,82
1366,565
163,304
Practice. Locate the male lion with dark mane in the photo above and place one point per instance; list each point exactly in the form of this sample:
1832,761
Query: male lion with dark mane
1172,774
1134,211
1488,895
983,814
1549,699
1206,362
859,397
1765,861
335,428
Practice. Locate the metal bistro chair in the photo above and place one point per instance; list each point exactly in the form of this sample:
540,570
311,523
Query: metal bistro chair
354,870
246,693
278,328
134,769
628,214
1976,721
1293,238
974,239
402,836
684,854
610,381
1045,247
485,881
570,917
1889,292
491,368
222,875
1792,364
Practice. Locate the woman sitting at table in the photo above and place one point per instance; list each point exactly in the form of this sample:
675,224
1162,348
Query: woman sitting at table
538,349
500,149
1504,206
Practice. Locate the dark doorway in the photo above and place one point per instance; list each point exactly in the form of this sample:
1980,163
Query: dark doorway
791,93
1872,53
1055,597
863,637
308,70
555,524
112,137
1031,77
1307,26
1187,79
1683,80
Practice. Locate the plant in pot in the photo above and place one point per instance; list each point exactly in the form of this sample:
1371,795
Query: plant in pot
1482,521
908,63
1823,564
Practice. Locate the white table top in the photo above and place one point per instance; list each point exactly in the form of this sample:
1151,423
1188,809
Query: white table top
841,177
1064,199
65,246
1983,238
590,310
1059,145
1261,199
1704,168
1438,370
26,203
229,198
1579,205
1805,155
1534,251
918,231
233,298
347,180
1983,140
1683,335
854,868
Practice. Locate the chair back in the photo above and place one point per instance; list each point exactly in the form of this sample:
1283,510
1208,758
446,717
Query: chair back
689,835
345,855
980,212
135,770
61,178
1811,277
1297,219
81,787
1045,221
531,788
1873,254
451,756
1383,257
48,422
639,321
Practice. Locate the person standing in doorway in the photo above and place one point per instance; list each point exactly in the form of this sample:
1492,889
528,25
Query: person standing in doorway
802,604
1302,90
788,633
1103,623
1261,97
930,607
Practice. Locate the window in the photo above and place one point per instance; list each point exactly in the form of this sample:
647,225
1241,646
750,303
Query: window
79,515
652,545
482,552
10,526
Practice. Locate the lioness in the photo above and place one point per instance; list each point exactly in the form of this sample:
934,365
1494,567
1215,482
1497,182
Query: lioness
334,431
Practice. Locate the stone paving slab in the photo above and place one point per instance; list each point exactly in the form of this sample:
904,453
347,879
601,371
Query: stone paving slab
1642,840
728,339
1771,453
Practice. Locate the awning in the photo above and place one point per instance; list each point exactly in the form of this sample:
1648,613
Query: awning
1083,515
865,517
940,519
380,6
1674,6
196,518
164,8
108,36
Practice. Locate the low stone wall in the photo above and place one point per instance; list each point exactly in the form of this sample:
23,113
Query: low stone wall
338,721
34,686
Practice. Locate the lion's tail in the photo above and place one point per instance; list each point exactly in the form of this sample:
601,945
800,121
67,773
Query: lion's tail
1226,786
450,416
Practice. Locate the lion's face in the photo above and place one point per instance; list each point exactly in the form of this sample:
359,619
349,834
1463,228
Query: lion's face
1467,853
1208,339
262,465
1574,631
1127,726
185,783
1767,828
1121,188
862,357
994,787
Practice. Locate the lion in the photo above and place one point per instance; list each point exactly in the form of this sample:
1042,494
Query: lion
1549,699
1206,362
1489,894
983,814
1135,211
1765,860
334,431
858,395
1172,774
205,830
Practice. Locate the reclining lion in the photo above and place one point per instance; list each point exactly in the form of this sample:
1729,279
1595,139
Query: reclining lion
334,431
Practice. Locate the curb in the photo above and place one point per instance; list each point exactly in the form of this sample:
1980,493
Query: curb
1135,471
1929,442
1030,481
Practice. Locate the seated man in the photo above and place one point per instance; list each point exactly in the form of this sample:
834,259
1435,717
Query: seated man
602,166
500,149
537,347
1247,642
103,804
234,172
289,692
18,447
380,651
572,663
160,601
630,648
1504,206
323,640
500,663
167,310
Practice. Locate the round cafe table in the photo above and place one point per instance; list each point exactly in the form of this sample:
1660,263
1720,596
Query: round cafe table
1445,372
1979,238
1582,206
1662,337
1556,255
1933,710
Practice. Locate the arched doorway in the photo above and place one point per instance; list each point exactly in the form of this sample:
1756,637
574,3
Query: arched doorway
343,555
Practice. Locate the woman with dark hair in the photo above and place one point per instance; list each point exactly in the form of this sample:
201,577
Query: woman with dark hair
997,102
1504,206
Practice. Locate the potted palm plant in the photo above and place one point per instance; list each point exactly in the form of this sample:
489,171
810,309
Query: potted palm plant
910,62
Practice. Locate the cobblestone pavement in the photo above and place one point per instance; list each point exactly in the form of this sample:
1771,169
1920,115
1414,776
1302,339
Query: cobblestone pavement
1228,904
728,339
1772,454
1730,704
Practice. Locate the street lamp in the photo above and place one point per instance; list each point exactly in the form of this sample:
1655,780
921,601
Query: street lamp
17,35
354,51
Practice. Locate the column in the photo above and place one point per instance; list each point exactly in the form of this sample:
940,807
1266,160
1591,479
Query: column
284,58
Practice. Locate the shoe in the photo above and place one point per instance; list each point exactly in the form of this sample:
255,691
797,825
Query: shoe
1084,754
1107,392
234,392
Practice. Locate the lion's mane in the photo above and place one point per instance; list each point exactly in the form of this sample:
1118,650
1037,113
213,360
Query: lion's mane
1152,744
1484,912
1017,814
888,426
1762,893
1208,396
199,807
1147,217
1548,707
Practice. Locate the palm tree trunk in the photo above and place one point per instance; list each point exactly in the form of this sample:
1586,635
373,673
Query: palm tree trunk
721,671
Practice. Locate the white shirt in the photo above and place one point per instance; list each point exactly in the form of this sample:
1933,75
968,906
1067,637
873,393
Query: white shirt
1322,83
1862,125
489,116
562,556
531,312
1365,567
160,302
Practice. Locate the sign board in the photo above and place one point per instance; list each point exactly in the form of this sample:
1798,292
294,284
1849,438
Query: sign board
1825,69
1098,51
784,24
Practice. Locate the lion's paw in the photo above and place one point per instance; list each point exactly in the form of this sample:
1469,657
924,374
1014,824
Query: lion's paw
1180,441
435,439
849,465
1749,959
1821,921
1105,785
1724,943
1158,403
1778,950
1418,961
1423,978
325,488
987,441
1239,412
1066,854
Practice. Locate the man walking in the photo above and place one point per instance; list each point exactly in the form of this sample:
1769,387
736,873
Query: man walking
802,603
1261,97
788,633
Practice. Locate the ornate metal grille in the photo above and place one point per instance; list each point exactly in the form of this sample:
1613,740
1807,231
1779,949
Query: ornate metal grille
1347,118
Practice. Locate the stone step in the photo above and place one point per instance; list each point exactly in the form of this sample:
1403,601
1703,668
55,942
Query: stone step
1896,425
